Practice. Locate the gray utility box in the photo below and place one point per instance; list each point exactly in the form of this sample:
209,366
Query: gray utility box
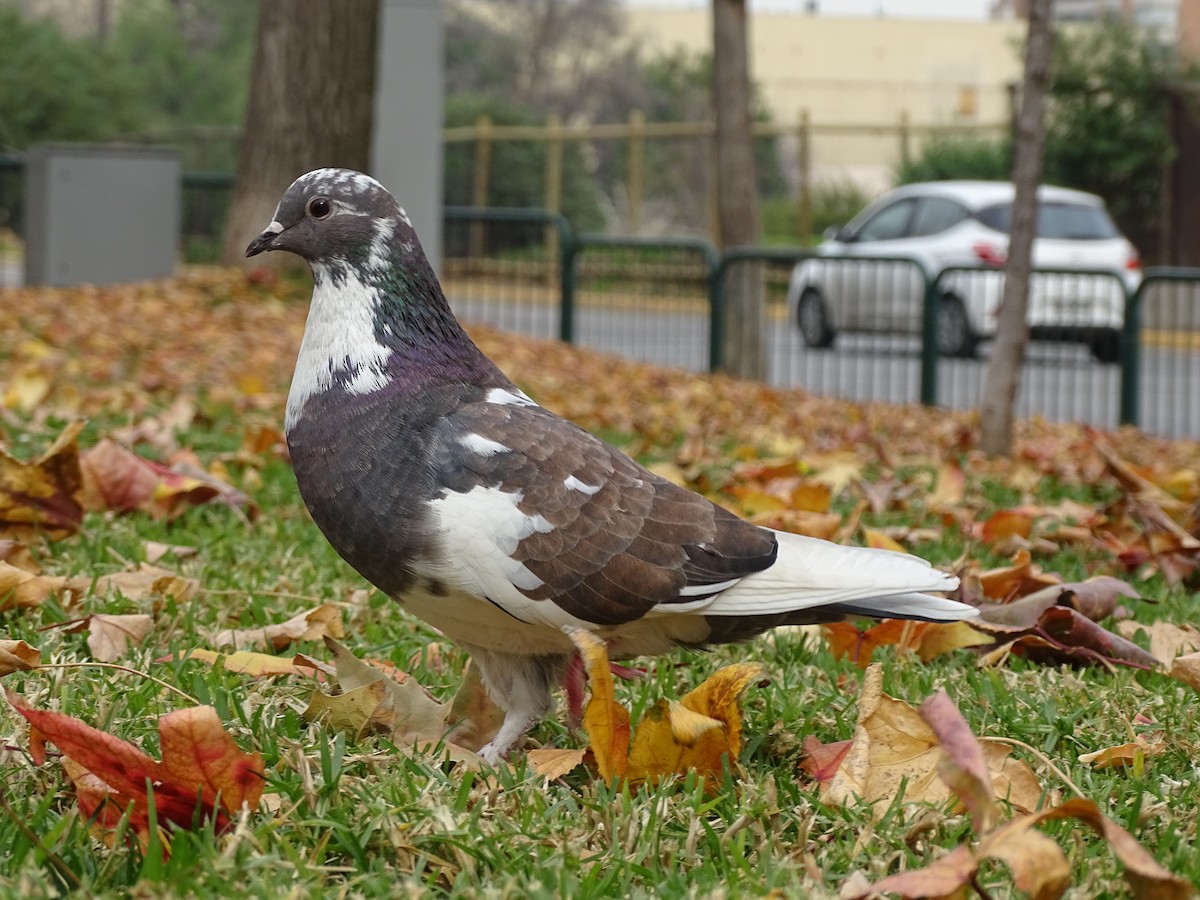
100,215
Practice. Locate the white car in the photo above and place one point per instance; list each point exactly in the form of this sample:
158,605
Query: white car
949,224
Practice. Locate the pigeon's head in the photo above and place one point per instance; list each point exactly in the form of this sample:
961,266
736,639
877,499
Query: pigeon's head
331,214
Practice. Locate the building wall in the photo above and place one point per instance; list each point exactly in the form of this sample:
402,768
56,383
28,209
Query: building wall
861,71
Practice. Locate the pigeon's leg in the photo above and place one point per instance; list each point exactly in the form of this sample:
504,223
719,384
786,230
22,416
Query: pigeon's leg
521,686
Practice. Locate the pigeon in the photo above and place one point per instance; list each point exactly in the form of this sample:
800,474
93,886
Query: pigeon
495,520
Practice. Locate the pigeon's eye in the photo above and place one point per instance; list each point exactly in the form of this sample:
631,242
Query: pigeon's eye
319,207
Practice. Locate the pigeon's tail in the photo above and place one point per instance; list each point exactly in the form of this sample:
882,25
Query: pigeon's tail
814,580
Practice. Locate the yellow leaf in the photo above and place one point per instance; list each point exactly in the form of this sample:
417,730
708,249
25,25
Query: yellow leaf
553,763
881,541
244,662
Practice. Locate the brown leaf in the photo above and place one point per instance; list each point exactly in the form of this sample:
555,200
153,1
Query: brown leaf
311,625
371,702
1132,754
473,717
1072,637
1167,640
1146,877
1186,669
43,497
893,745
18,656
962,766
22,589
109,636
118,479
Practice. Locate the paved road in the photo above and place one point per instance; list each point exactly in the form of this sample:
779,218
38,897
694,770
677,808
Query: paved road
1060,382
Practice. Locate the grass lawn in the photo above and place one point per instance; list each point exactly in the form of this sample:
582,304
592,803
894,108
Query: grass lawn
362,818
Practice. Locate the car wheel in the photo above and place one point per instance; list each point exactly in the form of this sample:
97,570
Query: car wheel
813,319
954,335
1106,346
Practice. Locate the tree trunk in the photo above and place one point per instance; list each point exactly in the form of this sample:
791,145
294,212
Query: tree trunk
997,405
737,186
311,104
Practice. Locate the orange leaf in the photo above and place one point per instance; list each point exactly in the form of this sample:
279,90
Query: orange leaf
197,753
605,720
1007,523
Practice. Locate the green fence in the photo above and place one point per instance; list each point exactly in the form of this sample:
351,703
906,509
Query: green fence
663,300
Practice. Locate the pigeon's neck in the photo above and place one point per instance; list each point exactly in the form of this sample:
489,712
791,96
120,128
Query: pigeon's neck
379,325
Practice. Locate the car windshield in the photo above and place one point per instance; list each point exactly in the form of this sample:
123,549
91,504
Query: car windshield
1058,221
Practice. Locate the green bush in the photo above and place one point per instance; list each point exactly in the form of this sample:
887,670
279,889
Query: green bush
948,157
833,202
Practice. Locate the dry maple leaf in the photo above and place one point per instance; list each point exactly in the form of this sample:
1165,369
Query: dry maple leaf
245,662
43,497
1038,865
202,769
397,707
118,479
926,639
700,732
311,625
109,636
18,656
893,745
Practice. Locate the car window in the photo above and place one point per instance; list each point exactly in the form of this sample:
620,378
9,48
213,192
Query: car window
1061,221
934,215
889,223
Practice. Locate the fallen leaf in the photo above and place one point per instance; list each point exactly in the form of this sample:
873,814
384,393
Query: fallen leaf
473,717
203,774
43,496
553,763
606,721
109,636
1186,669
155,551
18,656
116,478
311,625
821,761
1167,640
1132,754
245,662
893,745
372,702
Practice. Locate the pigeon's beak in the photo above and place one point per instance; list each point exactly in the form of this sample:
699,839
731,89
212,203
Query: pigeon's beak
265,240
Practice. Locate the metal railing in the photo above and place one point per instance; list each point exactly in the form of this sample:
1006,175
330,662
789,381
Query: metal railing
664,300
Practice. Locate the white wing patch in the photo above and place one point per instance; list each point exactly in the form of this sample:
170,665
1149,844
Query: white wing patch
571,483
505,397
339,336
480,530
485,447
